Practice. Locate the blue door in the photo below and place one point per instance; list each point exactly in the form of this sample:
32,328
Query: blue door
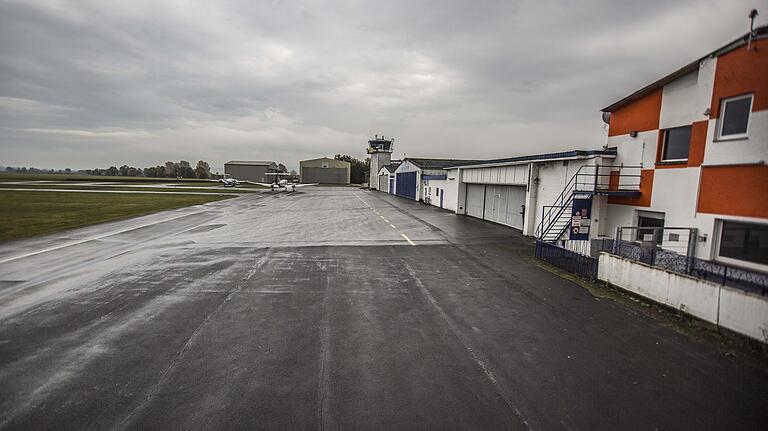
406,185
391,186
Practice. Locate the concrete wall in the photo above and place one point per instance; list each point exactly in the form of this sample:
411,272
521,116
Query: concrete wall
739,311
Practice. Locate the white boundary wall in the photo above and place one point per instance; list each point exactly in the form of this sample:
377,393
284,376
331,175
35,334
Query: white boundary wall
737,310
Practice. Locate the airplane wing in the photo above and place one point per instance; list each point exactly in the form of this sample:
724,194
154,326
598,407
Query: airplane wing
304,185
257,184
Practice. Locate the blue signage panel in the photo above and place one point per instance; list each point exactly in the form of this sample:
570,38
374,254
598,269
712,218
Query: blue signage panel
581,216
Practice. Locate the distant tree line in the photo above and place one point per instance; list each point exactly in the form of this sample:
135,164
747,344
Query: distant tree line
358,168
180,169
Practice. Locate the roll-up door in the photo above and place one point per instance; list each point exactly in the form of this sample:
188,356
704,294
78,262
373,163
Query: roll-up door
323,175
475,200
500,204
383,183
406,185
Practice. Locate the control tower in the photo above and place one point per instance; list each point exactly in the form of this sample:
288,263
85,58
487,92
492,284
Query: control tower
380,150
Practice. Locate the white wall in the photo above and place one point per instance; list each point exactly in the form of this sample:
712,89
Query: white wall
636,151
508,175
680,102
550,181
451,190
430,190
730,308
752,149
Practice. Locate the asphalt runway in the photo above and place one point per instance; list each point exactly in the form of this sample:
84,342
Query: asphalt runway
337,308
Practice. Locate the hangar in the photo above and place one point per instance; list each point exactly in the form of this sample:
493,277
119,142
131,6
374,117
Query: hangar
518,191
250,170
325,171
387,177
412,172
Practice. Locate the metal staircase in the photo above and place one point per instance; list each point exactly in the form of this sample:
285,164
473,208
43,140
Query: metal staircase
609,180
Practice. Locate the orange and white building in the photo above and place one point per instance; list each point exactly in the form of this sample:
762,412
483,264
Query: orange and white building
700,135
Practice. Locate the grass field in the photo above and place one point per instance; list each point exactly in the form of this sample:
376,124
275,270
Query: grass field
26,214
75,177
219,189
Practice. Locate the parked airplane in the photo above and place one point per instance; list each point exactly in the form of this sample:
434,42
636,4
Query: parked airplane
283,183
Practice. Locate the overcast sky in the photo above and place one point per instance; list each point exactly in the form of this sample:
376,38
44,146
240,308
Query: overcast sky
92,84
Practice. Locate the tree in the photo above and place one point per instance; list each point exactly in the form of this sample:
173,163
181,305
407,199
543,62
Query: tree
185,170
203,170
124,170
358,168
112,171
170,169
281,167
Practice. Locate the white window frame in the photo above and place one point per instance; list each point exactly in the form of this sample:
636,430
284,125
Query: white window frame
664,146
729,260
721,118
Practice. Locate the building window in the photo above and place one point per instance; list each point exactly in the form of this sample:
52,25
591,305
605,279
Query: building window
734,117
653,224
745,242
676,143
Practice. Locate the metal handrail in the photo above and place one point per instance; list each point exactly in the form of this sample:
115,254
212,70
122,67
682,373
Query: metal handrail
566,196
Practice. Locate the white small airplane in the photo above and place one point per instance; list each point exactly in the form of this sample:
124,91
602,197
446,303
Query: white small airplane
283,184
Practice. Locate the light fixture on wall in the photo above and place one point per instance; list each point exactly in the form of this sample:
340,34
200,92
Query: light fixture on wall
706,112
633,133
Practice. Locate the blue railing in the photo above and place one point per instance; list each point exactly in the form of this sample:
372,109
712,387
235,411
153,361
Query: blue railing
567,260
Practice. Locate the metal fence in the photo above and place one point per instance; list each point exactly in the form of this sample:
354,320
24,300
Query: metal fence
567,260
740,278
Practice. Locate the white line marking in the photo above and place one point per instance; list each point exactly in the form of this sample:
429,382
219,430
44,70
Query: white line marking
138,192
393,226
386,220
407,239
45,250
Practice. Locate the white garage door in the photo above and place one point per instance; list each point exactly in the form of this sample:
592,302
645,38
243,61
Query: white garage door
475,199
500,204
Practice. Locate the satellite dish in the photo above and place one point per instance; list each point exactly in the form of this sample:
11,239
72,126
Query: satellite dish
607,118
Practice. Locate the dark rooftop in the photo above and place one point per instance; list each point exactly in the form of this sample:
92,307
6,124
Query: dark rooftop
439,163
544,156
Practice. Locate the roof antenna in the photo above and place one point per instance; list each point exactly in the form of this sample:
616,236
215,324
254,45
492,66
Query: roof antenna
752,15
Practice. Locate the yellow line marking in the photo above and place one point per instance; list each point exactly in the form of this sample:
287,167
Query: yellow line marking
407,239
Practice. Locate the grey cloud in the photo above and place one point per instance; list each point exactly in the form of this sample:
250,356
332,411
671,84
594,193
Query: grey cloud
91,83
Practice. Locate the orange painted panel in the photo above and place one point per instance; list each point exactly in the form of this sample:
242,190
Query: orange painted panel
641,115
613,180
698,142
734,190
646,188
741,72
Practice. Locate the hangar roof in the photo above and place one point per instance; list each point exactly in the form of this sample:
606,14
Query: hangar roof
392,166
439,163
573,154
249,162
